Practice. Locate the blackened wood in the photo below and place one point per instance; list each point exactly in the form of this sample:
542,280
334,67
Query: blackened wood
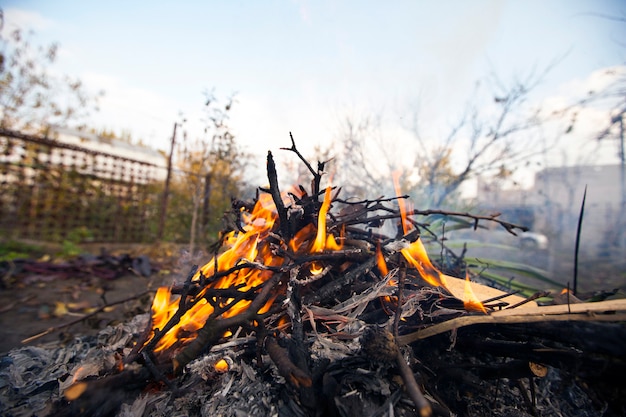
272,176
214,328
287,369
347,278
103,397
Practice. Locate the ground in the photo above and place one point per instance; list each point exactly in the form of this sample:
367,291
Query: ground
31,304
32,307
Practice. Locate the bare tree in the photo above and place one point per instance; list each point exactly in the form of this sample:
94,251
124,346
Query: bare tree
31,97
212,166
487,139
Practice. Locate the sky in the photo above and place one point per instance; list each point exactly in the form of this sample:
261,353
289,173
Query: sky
303,66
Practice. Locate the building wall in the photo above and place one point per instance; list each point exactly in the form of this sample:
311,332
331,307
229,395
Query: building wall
556,197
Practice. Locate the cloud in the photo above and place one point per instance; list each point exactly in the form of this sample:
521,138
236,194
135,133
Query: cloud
566,109
149,116
26,19
304,10
577,89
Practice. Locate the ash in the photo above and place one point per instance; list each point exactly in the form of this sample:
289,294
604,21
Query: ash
33,379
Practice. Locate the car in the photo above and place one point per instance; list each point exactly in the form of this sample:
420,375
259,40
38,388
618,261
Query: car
528,241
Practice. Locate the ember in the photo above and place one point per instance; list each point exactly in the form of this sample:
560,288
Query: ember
311,295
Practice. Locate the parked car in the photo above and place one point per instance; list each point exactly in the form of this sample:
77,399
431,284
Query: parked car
528,241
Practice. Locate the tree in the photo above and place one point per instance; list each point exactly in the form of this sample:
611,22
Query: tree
487,139
31,97
211,168
360,158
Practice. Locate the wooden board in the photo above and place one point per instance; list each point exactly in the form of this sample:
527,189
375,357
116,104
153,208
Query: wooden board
457,287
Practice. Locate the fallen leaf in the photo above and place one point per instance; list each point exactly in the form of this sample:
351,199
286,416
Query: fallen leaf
60,309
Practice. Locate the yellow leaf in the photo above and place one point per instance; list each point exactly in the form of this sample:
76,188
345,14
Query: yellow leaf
60,309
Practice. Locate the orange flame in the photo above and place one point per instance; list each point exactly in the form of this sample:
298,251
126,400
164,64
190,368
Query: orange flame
470,301
323,240
406,226
380,260
247,245
416,256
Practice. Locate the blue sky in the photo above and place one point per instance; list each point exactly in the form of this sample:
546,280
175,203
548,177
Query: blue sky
301,66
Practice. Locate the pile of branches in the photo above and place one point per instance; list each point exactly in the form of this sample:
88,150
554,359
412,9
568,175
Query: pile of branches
330,332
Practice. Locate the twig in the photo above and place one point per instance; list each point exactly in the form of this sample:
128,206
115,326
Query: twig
278,201
398,315
156,373
414,391
510,227
296,376
533,297
499,297
317,177
578,233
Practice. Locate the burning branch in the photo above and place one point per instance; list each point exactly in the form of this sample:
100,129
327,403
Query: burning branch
213,330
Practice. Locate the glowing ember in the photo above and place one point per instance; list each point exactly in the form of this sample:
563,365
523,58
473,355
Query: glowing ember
221,366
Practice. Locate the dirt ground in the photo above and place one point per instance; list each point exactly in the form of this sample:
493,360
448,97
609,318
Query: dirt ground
30,308
30,305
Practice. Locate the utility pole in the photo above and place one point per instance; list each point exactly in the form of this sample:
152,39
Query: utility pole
166,190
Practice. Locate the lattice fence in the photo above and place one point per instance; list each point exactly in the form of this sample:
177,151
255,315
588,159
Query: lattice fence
51,190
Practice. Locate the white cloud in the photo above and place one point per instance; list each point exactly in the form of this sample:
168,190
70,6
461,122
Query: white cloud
26,19
580,145
597,81
146,114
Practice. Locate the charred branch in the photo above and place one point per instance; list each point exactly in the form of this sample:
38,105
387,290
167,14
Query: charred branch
317,175
213,330
278,201
287,369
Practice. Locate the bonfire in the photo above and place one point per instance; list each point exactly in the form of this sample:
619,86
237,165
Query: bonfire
306,294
